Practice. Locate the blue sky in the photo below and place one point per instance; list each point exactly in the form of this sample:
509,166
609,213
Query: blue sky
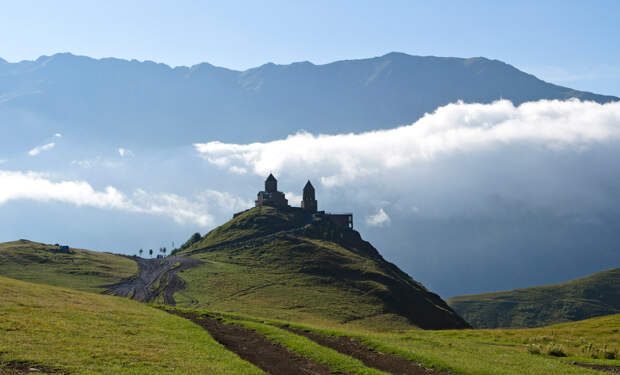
573,43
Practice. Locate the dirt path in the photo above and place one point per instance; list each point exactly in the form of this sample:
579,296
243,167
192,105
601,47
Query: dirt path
157,277
16,367
386,362
256,349
607,368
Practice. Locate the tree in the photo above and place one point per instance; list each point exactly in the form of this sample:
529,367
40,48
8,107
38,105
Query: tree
163,250
151,252
140,252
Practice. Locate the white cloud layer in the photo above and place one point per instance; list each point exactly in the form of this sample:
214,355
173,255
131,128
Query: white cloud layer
39,187
37,150
455,129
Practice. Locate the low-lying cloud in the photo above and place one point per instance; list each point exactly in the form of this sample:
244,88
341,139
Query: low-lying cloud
16,185
463,159
455,129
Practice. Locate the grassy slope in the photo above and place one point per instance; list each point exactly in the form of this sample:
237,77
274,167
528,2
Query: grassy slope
594,295
82,270
490,352
257,221
84,333
321,274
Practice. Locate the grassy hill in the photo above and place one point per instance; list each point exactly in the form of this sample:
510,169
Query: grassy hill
60,330
281,264
78,269
591,296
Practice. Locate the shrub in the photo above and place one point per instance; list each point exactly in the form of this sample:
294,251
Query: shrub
610,354
556,351
533,349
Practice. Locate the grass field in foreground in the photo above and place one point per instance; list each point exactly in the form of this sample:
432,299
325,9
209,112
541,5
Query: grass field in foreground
84,333
80,269
487,352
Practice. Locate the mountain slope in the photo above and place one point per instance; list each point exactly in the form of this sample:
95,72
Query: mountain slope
149,103
281,264
591,296
79,269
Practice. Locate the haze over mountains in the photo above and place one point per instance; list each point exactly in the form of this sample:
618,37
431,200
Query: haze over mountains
153,104
496,213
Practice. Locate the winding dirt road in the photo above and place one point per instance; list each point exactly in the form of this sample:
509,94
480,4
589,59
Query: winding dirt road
157,277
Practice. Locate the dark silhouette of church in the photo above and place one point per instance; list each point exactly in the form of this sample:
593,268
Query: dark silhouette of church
274,198
271,196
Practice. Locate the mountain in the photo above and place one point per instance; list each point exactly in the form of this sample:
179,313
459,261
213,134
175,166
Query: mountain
591,296
282,264
148,103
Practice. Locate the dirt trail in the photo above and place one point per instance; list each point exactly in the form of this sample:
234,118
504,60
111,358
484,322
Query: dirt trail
386,362
256,349
17,367
607,368
157,277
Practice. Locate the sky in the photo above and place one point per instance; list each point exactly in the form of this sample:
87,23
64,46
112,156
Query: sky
572,43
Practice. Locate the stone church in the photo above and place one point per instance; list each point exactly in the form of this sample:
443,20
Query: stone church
274,198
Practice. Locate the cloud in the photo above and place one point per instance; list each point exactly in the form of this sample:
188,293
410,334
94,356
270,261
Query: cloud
453,129
224,201
94,162
2,161
294,199
124,152
238,170
378,219
57,135
462,159
39,187
37,150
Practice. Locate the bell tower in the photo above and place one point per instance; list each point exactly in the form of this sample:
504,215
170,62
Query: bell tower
309,202
271,184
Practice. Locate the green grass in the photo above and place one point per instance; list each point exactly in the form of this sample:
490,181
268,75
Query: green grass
257,221
486,352
318,274
591,296
81,269
309,349
295,343
84,333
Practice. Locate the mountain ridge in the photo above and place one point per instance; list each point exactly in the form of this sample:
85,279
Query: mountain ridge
157,104
587,297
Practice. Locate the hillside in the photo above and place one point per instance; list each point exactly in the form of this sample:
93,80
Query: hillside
79,269
591,296
63,331
280,264
134,102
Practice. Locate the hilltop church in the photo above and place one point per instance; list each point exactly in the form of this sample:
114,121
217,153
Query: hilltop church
274,198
